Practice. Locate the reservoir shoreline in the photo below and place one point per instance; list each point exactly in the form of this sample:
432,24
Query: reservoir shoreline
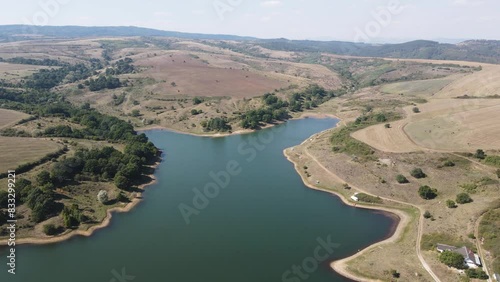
399,218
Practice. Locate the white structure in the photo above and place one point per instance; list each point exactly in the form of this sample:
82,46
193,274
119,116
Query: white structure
354,197
470,258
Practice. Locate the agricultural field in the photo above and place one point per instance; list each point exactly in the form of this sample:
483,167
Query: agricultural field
9,118
15,151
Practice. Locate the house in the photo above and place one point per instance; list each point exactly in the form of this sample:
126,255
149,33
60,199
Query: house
470,258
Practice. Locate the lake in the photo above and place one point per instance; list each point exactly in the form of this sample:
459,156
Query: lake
229,209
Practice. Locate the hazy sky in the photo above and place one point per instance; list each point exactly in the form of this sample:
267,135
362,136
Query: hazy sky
294,19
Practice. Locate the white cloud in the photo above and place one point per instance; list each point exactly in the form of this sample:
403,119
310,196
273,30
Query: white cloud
271,3
162,14
468,2
198,12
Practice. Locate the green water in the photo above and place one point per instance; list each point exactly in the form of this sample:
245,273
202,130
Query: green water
256,229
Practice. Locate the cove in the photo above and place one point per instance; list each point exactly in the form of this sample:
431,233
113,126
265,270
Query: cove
264,225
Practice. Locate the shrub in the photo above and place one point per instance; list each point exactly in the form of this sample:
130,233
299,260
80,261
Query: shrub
387,125
418,173
416,110
480,154
498,173
463,198
469,187
197,101
50,229
449,164
471,236
401,179
135,113
427,192
427,214
451,204
452,259
395,274
477,274
368,199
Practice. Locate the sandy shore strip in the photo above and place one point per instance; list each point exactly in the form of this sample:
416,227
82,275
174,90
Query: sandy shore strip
340,266
238,132
87,233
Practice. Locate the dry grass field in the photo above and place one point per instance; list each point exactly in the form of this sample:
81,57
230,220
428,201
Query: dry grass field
9,118
479,84
193,77
15,151
17,71
417,88
445,122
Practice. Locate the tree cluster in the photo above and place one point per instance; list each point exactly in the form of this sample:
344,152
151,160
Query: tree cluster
123,66
103,82
216,124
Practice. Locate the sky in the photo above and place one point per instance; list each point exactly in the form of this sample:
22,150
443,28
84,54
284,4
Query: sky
355,20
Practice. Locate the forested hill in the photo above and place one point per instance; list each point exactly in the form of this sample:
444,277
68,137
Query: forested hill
16,32
486,51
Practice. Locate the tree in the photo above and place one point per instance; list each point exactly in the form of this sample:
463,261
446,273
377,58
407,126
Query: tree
401,179
102,196
452,259
427,192
451,204
41,203
418,173
43,178
72,216
464,198
121,181
480,154
427,214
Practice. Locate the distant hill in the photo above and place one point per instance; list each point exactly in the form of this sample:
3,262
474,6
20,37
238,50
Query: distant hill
16,32
487,51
